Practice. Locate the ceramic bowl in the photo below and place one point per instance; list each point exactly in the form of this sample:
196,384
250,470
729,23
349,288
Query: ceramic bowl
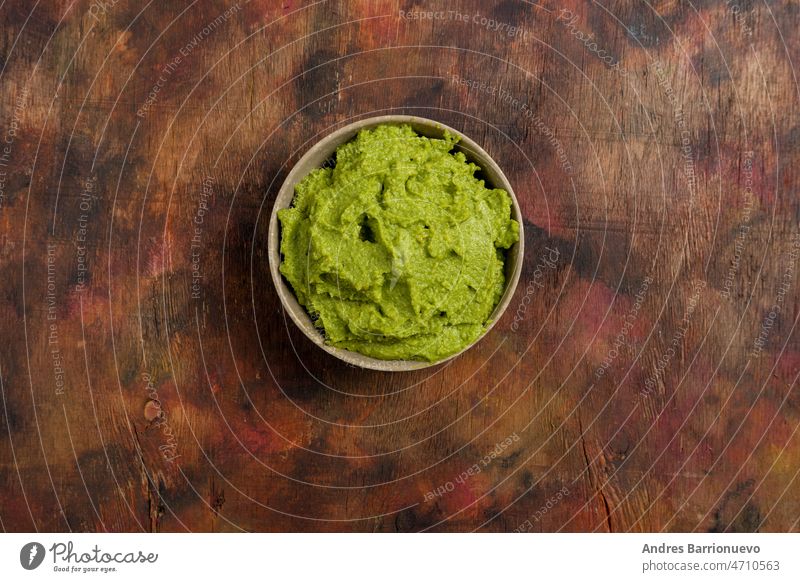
321,152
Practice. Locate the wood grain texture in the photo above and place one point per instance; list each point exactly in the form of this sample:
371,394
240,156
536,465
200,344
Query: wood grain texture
643,379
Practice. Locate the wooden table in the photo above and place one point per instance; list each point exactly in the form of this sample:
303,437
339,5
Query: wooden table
643,379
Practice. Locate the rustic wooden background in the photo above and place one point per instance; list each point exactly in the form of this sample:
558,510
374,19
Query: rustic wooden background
643,379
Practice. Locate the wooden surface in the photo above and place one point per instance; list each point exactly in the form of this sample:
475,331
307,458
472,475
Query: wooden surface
644,377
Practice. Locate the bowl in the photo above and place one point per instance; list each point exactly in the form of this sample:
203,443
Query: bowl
322,152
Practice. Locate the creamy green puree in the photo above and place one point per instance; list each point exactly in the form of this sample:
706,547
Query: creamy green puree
397,252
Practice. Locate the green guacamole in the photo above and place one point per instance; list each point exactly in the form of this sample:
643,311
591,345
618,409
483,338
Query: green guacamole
398,251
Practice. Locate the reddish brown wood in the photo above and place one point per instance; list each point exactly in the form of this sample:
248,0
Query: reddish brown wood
660,194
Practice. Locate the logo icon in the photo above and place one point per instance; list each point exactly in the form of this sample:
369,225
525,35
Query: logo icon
31,555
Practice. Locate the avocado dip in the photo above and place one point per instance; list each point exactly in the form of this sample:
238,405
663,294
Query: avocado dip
398,251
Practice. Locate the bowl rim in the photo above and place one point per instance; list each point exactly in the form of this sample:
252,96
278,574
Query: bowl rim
323,149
